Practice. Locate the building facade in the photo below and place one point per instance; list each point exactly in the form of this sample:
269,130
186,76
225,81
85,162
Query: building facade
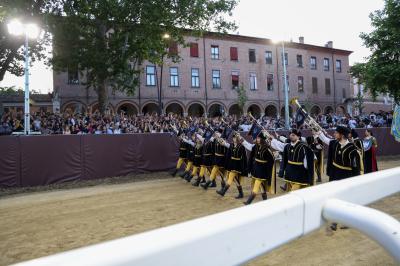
213,66
38,103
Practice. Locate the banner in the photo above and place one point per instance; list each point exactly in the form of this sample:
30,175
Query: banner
396,123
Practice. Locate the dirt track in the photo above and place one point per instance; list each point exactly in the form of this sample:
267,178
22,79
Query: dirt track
43,223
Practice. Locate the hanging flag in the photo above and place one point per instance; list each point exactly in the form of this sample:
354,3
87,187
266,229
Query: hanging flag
192,129
396,123
254,131
300,117
227,132
207,134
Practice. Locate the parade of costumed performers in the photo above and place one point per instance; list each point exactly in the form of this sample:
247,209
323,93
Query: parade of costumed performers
316,146
261,163
183,148
297,161
236,163
354,138
207,152
206,155
219,159
344,160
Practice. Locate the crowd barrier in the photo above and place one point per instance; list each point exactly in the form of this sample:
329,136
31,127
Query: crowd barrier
42,160
239,235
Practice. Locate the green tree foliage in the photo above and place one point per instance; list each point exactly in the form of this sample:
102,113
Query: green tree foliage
107,39
381,73
241,97
359,102
11,47
12,90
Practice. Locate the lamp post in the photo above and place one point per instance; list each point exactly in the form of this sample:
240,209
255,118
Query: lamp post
285,86
165,37
29,31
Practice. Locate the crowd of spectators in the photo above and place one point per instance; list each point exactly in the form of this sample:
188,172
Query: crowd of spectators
67,123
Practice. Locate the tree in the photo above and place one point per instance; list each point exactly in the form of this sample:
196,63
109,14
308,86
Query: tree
11,52
12,90
359,102
106,40
241,97
381,73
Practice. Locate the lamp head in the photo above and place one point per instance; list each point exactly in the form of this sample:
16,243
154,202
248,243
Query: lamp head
15,27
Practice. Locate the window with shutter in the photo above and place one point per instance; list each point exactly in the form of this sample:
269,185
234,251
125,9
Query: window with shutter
194,49
327,86
315,85
234,54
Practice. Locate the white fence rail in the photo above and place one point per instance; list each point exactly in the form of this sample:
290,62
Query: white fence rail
239,235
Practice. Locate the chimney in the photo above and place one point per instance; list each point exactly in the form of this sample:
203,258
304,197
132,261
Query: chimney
329,44
301,39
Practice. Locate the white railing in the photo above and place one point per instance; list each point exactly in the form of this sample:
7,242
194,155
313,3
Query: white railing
239,235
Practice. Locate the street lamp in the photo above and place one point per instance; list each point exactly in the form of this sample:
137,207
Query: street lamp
31,31
165,37
285,85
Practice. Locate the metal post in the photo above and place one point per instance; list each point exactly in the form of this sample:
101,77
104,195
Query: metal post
285,86
161,79
26,102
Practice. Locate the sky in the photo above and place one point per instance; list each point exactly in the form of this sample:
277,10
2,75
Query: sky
318,21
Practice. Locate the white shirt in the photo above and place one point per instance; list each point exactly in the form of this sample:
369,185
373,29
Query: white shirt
327,140
280,146
352,123
248,146
191,143
245,127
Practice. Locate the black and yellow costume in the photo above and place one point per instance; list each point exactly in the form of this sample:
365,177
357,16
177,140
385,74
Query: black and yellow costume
359,145
206,162
343,161
317,148
183,150
360,148
262,169
296,174
236,166
197,160
219,163
190,158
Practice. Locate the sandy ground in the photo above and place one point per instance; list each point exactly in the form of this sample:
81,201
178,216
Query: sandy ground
35,224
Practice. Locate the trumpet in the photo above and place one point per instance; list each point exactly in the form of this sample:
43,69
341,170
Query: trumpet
265,132
309,121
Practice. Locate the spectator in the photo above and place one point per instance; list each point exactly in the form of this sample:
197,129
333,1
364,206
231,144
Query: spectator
48,123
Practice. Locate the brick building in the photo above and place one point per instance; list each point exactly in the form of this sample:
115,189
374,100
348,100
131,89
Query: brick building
15,103
213,65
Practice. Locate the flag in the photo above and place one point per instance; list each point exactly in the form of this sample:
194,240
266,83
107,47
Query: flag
300,117
207,134
254,131
227,132
192,129
396,123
